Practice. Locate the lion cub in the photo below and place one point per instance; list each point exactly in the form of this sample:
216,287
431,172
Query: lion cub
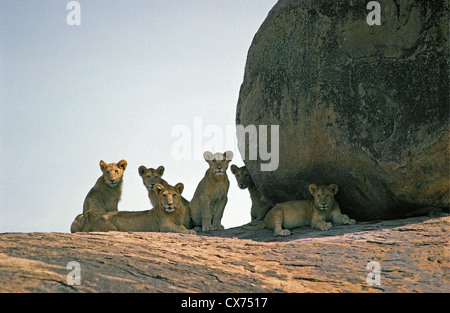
105,195
317,213
151,177
166,216
210,197
260,207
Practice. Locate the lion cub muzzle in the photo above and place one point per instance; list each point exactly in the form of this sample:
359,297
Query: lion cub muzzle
219,167
322,206
112,182
169,205
219,170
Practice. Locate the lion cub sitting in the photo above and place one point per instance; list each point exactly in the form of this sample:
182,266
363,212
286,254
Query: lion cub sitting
151,177
317,213
210,197
104,197
166,216
260,207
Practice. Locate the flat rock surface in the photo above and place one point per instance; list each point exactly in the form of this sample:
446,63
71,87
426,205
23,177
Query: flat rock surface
412,253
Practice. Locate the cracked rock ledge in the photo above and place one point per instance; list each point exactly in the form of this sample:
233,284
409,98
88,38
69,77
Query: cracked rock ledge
412,255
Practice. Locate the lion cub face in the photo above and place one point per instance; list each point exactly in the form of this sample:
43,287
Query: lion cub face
242,176
323,196
113,172
169,197
218,162
150,176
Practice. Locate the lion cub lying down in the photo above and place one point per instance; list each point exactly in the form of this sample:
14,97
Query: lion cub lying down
151,177
166,216
318,213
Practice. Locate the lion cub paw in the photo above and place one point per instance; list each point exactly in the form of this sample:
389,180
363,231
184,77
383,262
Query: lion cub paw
207,228
351,221
326,226
190,232
218,227
283,232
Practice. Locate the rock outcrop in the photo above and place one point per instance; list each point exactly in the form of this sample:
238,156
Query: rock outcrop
412,254
363,106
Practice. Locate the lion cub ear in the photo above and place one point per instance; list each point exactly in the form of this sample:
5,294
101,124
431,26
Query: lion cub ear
233,168
123,164
159,188
208,156
103,165
228,155
179,187
313,189
142,169
333,188
160,170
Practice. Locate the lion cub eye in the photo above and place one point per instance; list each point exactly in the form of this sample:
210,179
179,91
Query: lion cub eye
174,194
156,176
117,171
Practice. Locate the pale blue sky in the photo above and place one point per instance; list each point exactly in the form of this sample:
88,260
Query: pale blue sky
108,89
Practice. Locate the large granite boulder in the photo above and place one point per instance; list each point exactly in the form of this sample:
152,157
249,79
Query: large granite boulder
363,106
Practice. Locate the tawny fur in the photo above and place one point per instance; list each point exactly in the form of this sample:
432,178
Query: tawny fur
151,177
260,206
211,195
166,216
104,197
319,213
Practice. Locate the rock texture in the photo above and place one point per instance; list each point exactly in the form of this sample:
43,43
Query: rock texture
365,107
412,254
